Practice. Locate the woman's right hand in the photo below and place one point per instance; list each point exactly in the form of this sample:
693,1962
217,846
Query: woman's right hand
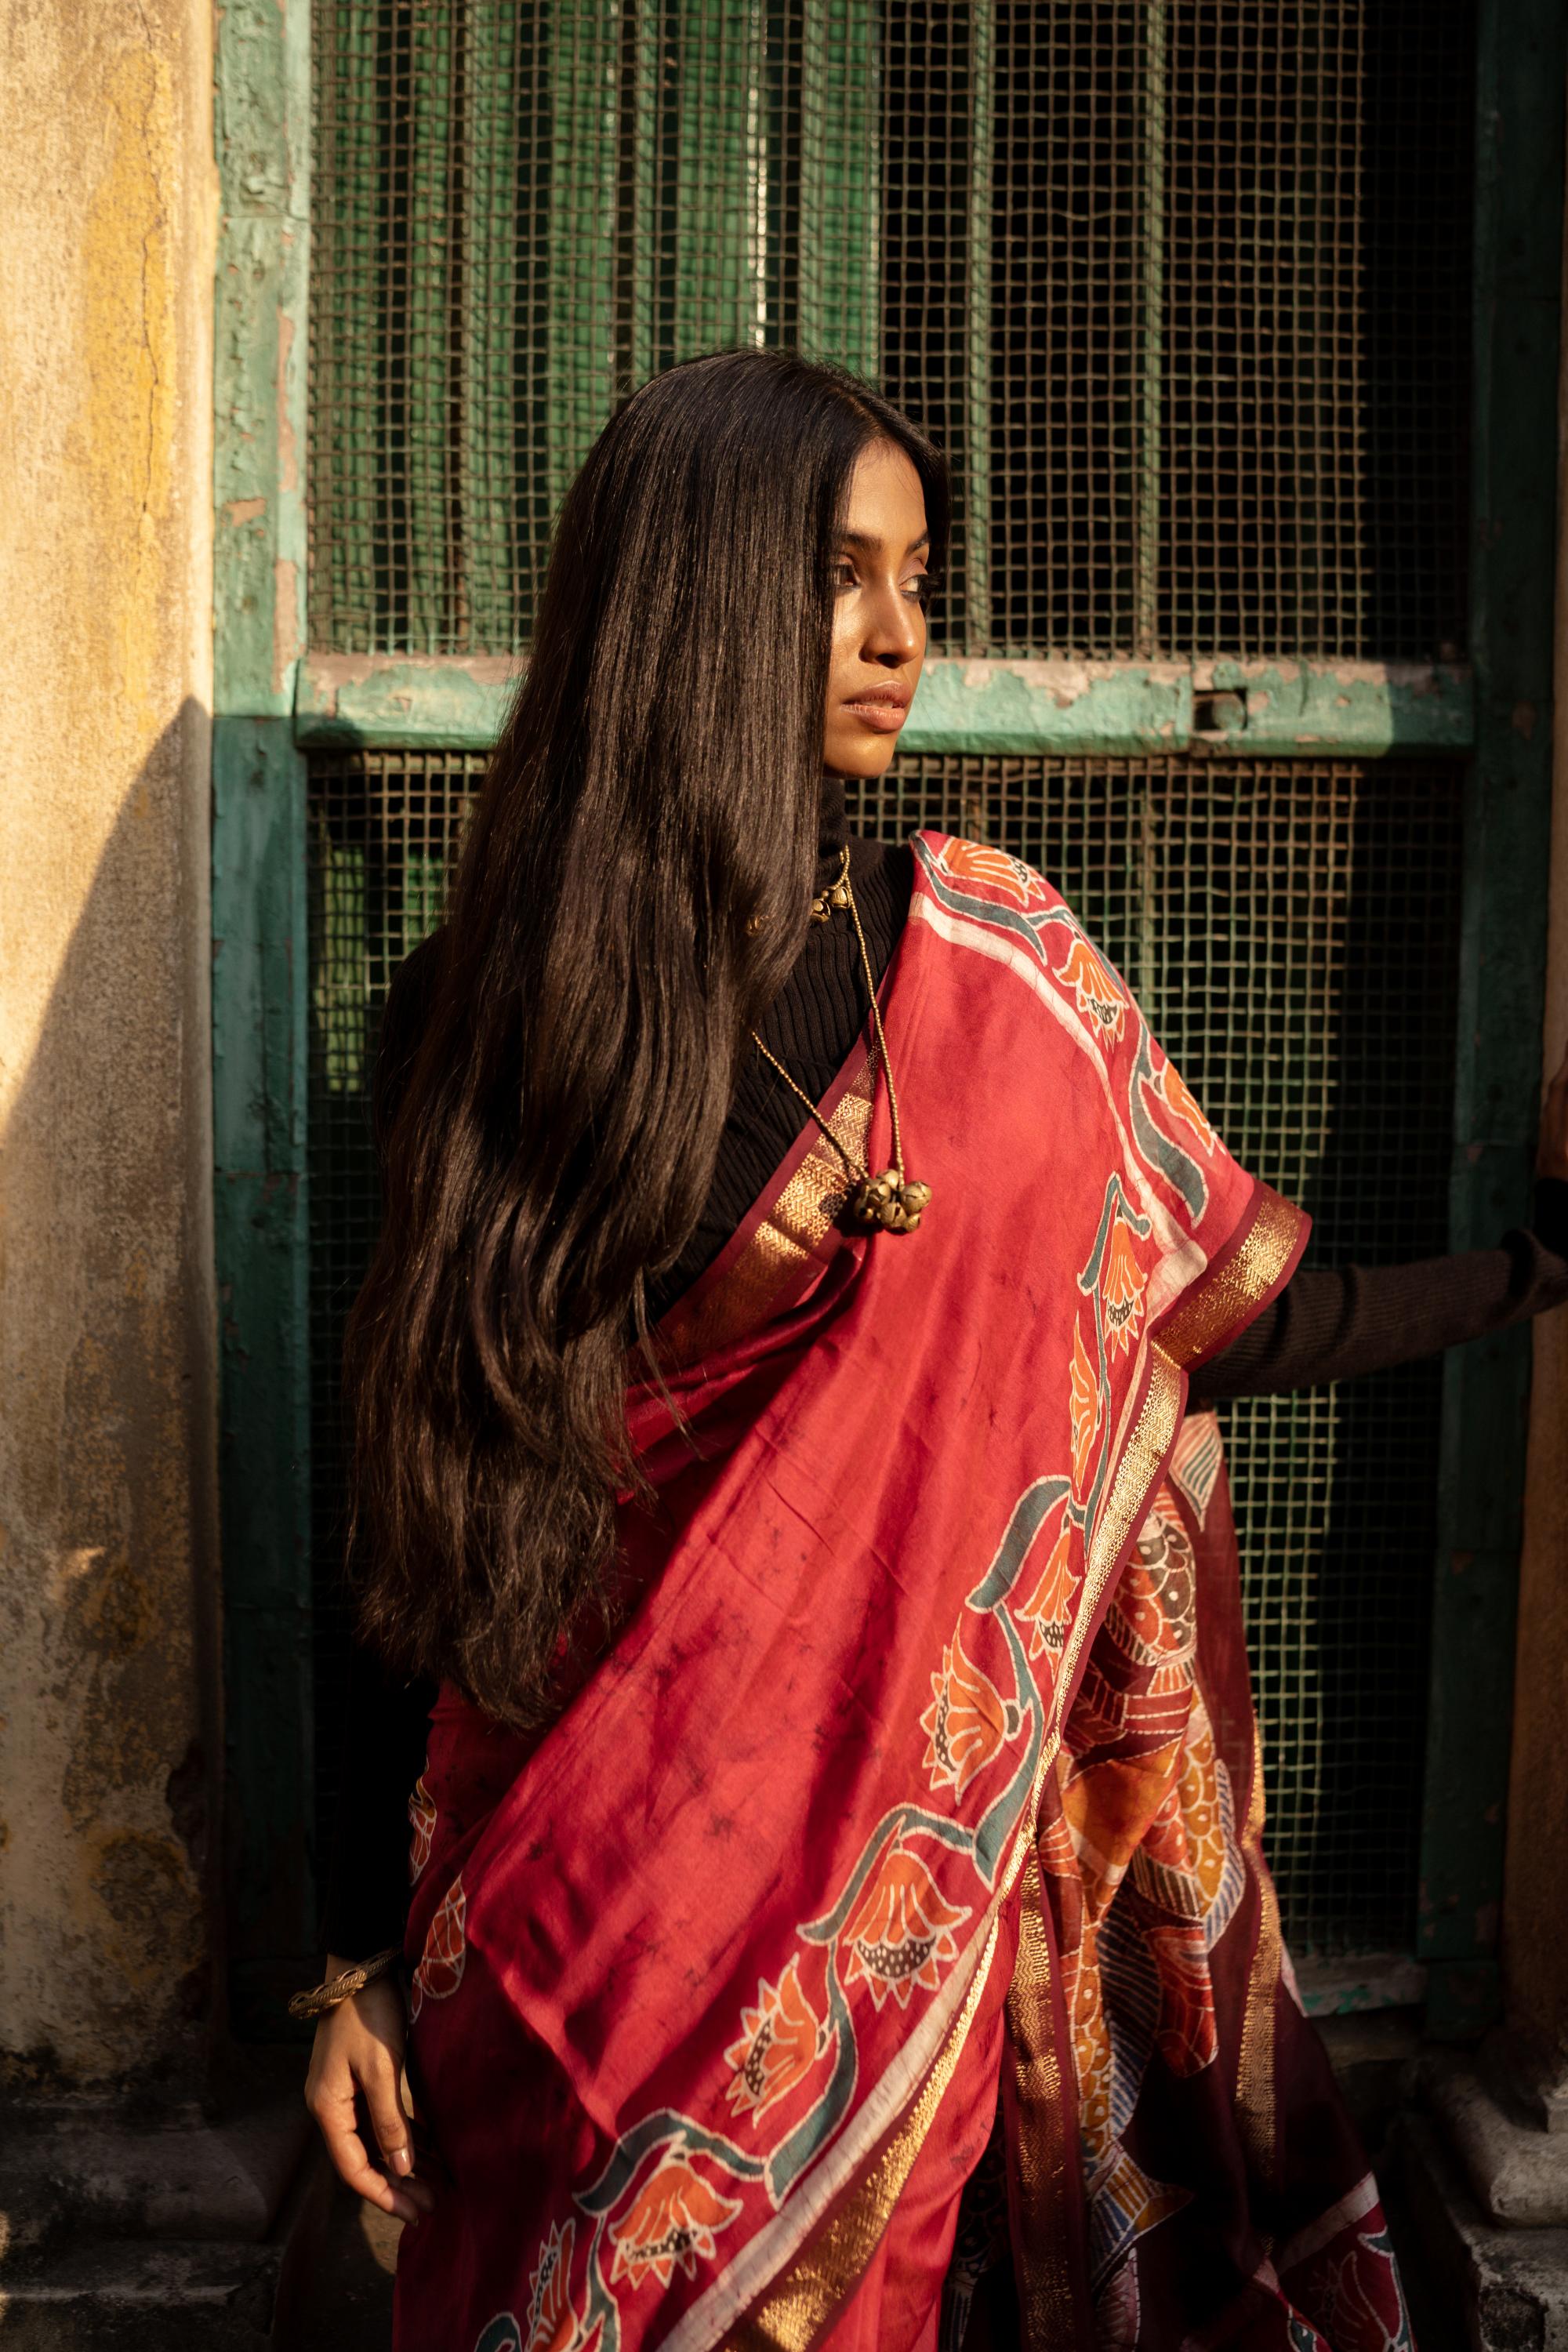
359,2046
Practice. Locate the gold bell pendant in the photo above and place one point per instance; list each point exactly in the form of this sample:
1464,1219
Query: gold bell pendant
825,901
885,1203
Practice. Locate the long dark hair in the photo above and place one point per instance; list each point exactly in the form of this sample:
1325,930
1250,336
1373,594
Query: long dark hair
634,887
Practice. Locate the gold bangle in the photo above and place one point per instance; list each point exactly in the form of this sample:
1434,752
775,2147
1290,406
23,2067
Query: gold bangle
322,1997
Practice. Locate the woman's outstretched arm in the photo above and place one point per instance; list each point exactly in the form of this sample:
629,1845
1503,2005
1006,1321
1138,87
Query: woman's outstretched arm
1332,1325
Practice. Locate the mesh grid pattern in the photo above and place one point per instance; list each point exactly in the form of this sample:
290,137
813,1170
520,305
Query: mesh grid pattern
1313,346
522,212
384,833
1289,932
1181,285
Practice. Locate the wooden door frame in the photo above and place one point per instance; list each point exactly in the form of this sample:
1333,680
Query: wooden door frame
274,702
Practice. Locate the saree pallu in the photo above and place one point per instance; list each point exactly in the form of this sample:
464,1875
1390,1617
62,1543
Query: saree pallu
884,1918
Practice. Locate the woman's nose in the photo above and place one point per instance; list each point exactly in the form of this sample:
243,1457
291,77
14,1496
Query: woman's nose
895,626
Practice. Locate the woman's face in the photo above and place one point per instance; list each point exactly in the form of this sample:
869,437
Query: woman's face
878,613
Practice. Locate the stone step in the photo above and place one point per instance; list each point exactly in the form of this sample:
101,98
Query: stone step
1506,2289
74,2174
121,2295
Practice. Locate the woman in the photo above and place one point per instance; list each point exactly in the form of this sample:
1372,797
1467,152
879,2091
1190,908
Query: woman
839,1914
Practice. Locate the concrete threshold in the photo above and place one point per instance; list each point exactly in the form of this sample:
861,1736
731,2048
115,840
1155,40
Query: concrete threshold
163,2230
119,2295
1507,2288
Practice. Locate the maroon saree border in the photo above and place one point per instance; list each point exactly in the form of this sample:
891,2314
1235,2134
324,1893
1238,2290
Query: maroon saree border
1236,1284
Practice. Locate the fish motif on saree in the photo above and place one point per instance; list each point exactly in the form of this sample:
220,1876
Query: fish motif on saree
908,1683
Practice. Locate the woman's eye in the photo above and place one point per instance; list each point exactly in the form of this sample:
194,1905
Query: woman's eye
917,590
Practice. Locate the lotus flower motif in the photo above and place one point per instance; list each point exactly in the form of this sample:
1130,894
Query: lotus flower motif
1045,1610
553,2323
1121,1288
1101,998
900,1933
966,1723
976,861
781,2040
673,2223
1084,1406
1184,1105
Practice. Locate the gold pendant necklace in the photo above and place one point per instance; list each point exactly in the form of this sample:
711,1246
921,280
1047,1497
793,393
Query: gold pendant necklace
889,1202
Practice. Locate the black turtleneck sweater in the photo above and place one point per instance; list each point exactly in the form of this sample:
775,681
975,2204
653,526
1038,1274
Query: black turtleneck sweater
1324,1326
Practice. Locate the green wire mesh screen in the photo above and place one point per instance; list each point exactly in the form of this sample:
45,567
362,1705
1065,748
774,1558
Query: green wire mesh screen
1288,931
1181,285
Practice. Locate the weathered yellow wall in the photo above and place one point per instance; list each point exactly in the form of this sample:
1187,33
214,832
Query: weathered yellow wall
107,1555
1535,1905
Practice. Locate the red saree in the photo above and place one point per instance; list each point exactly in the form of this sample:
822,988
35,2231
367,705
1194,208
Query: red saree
885,1916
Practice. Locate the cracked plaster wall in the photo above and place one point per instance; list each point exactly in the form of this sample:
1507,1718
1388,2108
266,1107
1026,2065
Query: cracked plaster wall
108,1563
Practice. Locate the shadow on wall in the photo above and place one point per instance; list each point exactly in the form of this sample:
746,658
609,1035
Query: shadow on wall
109,1605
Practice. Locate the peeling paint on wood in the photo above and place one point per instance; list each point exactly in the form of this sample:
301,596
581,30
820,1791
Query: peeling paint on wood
260,979
984,705
403,701
1068,708
1348,1985
1352,709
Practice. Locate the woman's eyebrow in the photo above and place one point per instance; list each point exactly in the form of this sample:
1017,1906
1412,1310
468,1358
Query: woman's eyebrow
869,539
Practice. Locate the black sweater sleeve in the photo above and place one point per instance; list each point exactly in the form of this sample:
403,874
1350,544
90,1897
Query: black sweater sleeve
382,1755
1332,1326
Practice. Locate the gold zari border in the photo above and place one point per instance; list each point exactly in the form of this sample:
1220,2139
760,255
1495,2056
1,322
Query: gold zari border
796,1224
1046,2281
1255,2099
1218,1302
1131,1481
793,2315
792,2319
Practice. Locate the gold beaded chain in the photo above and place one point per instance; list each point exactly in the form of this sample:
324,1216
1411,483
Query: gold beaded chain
886,1204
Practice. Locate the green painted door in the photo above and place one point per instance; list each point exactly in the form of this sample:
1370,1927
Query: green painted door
1243,347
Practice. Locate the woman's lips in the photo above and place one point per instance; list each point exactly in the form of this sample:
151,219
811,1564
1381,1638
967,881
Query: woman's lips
881,712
